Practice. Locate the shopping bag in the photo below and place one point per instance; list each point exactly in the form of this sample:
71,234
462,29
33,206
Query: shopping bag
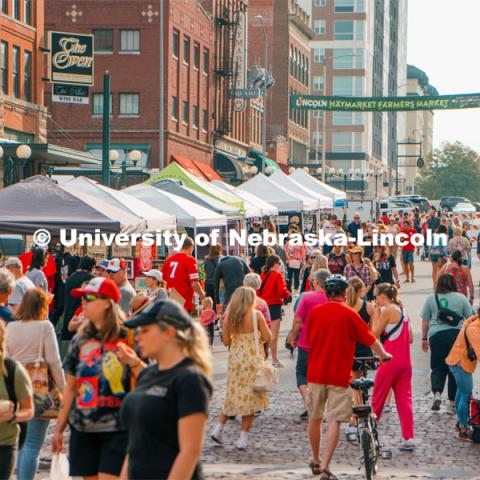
59,468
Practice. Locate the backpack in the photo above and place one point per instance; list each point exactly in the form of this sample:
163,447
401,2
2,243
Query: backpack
11,366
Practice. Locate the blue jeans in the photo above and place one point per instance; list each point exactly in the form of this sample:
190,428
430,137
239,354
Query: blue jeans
464,382
293,276
27,461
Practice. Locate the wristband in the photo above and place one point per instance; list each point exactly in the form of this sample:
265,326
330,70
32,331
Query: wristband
424,339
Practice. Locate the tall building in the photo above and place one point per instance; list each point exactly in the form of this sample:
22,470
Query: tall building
359,50
22,112
289,31
419,131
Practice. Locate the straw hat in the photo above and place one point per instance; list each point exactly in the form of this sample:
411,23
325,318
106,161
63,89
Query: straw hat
356,249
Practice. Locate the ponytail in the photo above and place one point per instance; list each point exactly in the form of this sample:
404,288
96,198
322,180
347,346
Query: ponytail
270,262
194,343
355,287
391,292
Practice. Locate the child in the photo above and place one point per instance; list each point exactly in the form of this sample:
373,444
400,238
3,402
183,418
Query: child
208,317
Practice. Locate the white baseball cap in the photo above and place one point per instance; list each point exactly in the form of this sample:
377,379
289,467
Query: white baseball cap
115,265
157,274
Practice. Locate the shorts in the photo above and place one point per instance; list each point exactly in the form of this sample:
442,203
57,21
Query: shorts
337,400
275,312
407,257
435,257
301,367
91,453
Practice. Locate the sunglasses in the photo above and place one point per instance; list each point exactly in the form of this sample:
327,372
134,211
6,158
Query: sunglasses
90,297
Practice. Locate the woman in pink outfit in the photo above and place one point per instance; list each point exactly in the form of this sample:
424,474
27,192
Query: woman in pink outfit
393,325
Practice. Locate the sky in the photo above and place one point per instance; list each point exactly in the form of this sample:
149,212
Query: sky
443,41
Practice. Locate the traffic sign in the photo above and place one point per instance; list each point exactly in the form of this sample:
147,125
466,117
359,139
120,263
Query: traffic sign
64,93
243,93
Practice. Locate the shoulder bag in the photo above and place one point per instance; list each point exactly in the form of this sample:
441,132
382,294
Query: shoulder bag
262,286
445,315
266,376
46,395
11,366
472,356
385,336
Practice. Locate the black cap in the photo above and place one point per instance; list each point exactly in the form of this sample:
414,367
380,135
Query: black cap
167,311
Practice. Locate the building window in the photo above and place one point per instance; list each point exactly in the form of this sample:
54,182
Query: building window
347,142
195,116
175,44
206,61
4,60
103,41
348,86
16,9
16,72
27,76
320,3
343,29
205,120
97,103
185,112
175,109
319,27
349,6
318,55
4,6
347,118
196,56
318,82
129,104
348,58
317,139
186,50
318,113
129,40
27,9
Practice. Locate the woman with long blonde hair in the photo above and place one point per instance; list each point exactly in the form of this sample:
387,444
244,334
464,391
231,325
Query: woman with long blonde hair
97,383
166,415
241,322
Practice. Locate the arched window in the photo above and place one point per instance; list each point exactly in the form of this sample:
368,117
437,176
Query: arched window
307,72
290,58
295,62
302,68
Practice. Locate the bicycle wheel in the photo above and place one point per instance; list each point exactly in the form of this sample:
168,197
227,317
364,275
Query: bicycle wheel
368,449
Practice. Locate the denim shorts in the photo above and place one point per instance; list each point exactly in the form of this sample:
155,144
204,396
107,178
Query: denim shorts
407,257
301,367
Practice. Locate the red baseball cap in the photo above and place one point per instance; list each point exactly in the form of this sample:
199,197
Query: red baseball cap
101,286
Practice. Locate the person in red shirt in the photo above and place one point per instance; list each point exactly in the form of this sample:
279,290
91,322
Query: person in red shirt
180,271
384,218
408,251
274,291
333,329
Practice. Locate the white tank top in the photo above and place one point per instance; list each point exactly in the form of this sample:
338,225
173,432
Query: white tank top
391,326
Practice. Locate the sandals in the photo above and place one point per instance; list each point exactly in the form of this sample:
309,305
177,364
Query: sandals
316,468
329,475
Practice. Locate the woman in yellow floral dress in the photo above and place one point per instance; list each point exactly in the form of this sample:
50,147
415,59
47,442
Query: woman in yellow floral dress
239,336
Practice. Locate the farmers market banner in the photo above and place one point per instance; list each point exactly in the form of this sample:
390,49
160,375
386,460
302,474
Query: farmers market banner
384,104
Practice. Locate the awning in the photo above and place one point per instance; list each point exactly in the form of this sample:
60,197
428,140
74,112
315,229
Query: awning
258,157
272,164
207,170
189,166
230,168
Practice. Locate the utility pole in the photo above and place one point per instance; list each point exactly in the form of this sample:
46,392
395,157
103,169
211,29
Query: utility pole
161,124
106,130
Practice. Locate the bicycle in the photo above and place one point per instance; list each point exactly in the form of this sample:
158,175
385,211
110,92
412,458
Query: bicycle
367,432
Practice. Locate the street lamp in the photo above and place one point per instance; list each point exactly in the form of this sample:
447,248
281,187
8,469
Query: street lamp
113,156
24,152
291,170
269,170
253,170
259,18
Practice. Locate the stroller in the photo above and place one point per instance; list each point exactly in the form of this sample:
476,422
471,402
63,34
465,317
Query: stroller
474,418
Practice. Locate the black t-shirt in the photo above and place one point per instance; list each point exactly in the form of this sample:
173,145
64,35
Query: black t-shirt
337,263
151,413
384,267
72,303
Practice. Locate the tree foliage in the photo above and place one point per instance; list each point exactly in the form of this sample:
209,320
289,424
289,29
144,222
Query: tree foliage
453,169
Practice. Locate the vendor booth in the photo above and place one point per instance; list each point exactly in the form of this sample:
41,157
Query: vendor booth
309,182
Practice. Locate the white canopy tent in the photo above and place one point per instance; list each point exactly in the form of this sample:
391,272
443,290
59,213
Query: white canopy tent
254,206
305,179
284,181
282,198
155,218
188,214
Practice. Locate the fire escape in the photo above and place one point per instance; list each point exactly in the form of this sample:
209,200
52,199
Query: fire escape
225,68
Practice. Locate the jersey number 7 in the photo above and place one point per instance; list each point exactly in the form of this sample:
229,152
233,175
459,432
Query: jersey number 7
174,269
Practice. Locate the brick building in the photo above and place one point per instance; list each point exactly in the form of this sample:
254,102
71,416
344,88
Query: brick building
289,31
22,111
127,43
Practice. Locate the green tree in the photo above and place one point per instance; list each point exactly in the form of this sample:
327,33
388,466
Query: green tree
453,169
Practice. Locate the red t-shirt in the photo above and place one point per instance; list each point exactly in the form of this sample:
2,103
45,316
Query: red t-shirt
385,219
409,247
179,271
333,330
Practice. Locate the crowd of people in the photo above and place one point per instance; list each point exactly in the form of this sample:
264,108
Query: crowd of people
129,375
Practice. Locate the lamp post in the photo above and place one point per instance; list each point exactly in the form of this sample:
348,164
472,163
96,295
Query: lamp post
106,130
23,152
259,18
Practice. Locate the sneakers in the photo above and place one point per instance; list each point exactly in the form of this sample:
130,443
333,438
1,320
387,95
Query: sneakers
464,435
304,415
278,364
408,445
437,402
242,442
451,409
217,434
